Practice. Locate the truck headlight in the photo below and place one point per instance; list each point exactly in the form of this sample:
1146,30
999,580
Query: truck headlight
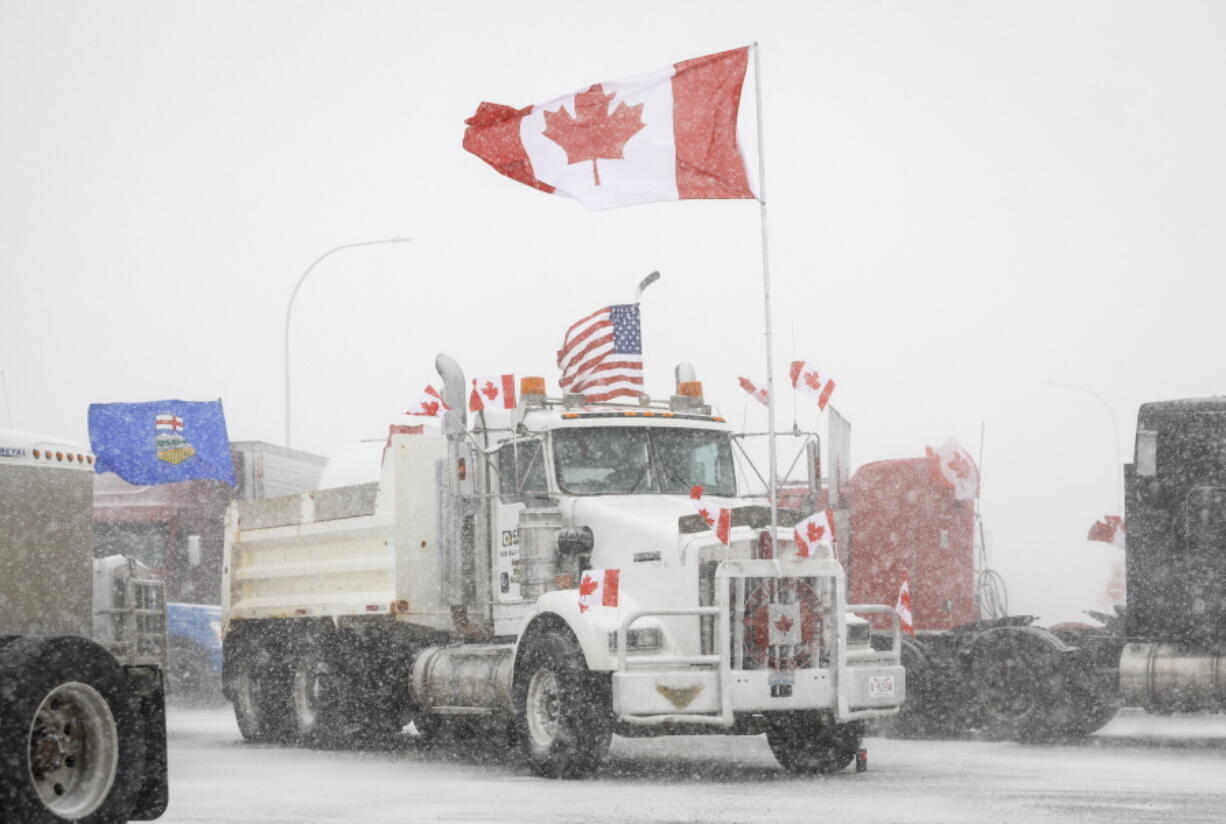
646,639
859,632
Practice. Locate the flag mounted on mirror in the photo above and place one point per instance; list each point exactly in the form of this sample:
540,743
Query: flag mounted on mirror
161,442
670,134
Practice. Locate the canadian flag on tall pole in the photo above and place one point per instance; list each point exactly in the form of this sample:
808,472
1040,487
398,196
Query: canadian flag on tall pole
665,135
903,608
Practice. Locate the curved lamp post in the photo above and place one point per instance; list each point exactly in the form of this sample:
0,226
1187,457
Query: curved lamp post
290,308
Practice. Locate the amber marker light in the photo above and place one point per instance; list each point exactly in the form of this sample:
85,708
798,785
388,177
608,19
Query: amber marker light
690,389
532,386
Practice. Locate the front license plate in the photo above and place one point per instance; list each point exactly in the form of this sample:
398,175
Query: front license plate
881,686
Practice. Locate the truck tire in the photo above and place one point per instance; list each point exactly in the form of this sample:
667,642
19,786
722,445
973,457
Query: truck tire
72,742
1020,692
806,744
563,711
261,695
317,702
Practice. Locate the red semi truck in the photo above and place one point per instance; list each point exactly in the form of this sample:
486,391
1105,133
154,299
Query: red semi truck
1003,676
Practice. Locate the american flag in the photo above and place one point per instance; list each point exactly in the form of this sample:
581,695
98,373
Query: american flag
602,355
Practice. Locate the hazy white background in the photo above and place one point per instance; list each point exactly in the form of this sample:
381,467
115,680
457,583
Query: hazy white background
966,199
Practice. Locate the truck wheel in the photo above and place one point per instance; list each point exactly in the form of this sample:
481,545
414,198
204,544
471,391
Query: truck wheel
315,699
563,711
261,698
805,744
72,743
1020,693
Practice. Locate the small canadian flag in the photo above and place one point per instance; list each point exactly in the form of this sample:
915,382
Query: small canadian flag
806,378
598,588
719,518
817,529
903,608
756,390
429,404
492,392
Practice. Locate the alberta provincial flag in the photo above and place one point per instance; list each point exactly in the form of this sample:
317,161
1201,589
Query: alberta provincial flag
161,442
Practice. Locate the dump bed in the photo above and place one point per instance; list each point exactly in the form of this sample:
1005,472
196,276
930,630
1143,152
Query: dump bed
370,549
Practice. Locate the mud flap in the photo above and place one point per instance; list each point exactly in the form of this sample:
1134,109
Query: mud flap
154,794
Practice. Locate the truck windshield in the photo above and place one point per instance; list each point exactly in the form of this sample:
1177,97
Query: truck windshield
629,460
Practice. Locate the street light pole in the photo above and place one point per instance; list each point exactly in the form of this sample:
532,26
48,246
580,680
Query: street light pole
293,295
1115,432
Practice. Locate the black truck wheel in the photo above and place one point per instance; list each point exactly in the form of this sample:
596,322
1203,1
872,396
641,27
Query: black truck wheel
260,689
563,711
1020,690
805,744
317,697
72,742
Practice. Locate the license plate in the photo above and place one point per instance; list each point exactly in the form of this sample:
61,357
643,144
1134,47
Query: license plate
881,686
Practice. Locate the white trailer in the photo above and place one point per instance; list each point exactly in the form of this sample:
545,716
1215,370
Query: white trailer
82,722
448,594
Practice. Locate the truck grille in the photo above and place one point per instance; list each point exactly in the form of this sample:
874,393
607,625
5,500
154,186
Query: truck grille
774,623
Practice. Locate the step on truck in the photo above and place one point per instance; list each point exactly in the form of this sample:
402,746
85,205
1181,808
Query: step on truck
82,718
454,593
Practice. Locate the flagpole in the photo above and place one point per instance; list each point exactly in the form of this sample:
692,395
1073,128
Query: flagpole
772,486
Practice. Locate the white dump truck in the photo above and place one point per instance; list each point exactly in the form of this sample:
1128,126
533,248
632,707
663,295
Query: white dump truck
82,718
463,590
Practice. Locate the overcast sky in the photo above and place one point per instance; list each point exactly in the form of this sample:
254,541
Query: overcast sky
966,199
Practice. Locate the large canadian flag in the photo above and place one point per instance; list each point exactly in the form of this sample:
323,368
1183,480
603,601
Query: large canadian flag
599,588
955,467
665,135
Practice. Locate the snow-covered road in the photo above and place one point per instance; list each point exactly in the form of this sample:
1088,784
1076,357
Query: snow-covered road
1138,769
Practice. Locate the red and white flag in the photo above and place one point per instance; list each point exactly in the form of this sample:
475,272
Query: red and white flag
602,355
903,608
954,465
1109,530
492,392
808,379
817,529
665,135
429,404
719,518
756,391
598,588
